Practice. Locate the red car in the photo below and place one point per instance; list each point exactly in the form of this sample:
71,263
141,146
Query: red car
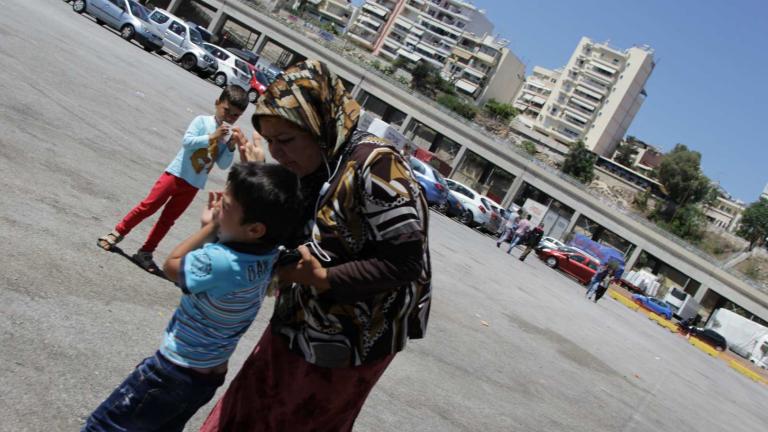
581,266
257,87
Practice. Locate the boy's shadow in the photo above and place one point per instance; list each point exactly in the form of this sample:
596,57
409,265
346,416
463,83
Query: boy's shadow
117,250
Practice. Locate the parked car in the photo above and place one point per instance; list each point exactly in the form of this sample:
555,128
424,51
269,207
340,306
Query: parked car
455,209
471,202
126,16
272,72
434,185
495,221
248,56
551,243
231,70
710,337
581,266
183,43
204,33
654,305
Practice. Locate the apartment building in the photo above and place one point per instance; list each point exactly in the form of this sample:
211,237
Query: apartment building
482,68
597,96
535,92
372,22
337,12
725,213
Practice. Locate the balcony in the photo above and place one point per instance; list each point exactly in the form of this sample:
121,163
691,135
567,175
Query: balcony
364,40
466,87
376,10
485,58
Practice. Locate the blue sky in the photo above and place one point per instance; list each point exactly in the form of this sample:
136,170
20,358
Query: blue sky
709,89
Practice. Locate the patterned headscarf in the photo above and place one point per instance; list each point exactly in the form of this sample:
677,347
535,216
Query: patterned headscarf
315,99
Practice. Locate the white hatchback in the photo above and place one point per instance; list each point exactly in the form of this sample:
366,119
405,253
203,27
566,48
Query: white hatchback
472,201
231,70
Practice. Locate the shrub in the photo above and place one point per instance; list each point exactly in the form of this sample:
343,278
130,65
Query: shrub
462,108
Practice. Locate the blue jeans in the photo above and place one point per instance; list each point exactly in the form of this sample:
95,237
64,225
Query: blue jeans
515,241
157,396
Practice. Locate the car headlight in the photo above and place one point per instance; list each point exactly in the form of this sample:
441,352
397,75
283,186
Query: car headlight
208,58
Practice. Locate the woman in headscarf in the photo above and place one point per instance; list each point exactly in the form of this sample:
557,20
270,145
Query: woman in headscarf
362,285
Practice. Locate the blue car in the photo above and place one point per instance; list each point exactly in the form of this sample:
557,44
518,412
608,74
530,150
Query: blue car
656,306
434,185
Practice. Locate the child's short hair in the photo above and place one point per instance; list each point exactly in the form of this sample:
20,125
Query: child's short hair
270,194
236,96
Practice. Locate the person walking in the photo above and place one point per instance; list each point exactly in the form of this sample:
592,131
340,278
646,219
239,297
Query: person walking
361,286
509,227
522,229
532,240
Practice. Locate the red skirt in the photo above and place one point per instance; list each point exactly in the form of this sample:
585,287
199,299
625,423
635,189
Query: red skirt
277,390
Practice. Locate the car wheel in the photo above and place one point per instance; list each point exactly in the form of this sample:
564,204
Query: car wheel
551,262
127,32
220,79
253,95
148,48
78,6
466,218
442,208
188,62
719,349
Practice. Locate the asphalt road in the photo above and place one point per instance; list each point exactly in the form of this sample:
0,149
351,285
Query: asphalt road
88,122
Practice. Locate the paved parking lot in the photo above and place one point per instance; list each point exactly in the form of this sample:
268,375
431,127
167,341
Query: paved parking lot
89,121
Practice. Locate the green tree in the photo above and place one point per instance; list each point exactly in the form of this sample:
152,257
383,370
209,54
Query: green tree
754,223
464,109
680,174
580,163
500,111
625,154
687,222
529,147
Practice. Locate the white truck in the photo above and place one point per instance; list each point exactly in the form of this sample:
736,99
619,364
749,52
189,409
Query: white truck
745,337
684,306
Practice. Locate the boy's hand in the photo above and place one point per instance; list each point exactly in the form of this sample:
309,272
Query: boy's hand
307,271
221,132
250,151
211,213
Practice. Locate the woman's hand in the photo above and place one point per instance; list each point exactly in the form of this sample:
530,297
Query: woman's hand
307,271
210,213
250,151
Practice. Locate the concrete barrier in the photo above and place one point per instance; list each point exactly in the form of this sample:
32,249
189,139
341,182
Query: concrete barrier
623,300
704,347
747,372
660,320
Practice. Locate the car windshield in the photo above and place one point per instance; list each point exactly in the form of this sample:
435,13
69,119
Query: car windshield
195,37
138,11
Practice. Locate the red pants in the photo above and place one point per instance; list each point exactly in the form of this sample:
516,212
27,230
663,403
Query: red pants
278,391
170,190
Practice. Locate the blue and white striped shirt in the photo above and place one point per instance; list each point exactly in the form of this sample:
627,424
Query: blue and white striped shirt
223,289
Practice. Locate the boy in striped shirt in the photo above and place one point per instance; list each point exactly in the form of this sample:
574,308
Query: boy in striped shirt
223,284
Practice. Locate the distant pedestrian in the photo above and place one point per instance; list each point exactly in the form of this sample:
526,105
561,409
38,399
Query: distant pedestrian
597,287
532,240
206,141
522,229
509,227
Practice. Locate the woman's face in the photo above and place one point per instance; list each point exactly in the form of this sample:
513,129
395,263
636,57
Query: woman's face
292,146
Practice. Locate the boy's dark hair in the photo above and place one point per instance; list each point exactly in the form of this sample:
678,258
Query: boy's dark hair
236,96
528,217
270,194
